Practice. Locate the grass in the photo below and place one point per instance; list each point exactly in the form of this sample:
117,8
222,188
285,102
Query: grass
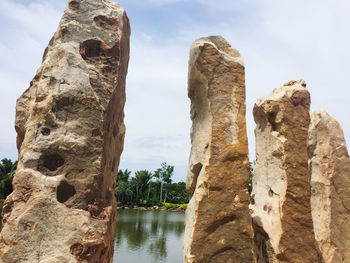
171,205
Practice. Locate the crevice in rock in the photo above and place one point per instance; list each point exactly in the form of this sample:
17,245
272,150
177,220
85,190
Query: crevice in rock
115,130
220,222
261,244
271,116
113,164
217,254
196,169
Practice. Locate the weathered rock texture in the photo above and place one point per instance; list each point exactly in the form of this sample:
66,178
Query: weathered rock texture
218,224
330,187
280,200
70,134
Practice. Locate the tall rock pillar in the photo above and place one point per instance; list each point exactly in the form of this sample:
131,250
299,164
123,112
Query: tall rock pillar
280,200
70,134
218,225
330,187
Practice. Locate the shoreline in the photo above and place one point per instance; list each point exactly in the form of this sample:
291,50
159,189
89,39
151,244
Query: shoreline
150,208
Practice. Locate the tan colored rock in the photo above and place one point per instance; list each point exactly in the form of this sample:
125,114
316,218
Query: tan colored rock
218,225
70,136
329,167
280,200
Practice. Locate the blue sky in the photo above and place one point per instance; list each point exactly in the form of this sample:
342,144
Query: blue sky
278,40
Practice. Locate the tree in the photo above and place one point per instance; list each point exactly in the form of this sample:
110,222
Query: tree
123,175
164,175
123,190
142,179
7,170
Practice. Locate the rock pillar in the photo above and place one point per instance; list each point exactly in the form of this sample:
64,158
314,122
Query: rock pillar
218,225
280,200
329,167
70,134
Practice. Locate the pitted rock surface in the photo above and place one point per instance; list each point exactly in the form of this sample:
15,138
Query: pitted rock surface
280,200
70,134
218,226
329,168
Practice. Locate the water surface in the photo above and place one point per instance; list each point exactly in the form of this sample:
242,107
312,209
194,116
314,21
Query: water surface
149,236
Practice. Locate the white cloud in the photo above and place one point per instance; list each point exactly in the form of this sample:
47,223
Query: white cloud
284,40
25,30
165,2
278,40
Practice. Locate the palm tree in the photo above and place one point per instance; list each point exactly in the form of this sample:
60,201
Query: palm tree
164,174
142,179
123,175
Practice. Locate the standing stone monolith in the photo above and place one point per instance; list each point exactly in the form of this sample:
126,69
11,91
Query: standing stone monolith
280,200
218,225
329,167
70,134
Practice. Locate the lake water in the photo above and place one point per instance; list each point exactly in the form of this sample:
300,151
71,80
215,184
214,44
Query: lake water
149,236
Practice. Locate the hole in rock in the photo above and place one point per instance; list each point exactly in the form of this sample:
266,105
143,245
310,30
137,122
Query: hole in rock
45,131
76,249
74,5
270,193
108,23
52,161
65,191
91,48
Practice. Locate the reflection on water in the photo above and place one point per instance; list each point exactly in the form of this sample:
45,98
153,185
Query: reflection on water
150,236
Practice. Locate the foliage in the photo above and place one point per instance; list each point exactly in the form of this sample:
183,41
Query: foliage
171,205
164,174
147,188
250,183
7,170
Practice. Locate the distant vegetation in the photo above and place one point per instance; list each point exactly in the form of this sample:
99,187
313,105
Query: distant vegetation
7,170
150,188
250,183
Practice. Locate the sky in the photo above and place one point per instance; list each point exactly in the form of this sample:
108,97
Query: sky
278,41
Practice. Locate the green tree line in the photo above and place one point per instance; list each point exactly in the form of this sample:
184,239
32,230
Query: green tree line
150,188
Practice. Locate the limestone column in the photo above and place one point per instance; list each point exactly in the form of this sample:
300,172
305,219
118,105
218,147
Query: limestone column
329,167
70,134
280,200
218,225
